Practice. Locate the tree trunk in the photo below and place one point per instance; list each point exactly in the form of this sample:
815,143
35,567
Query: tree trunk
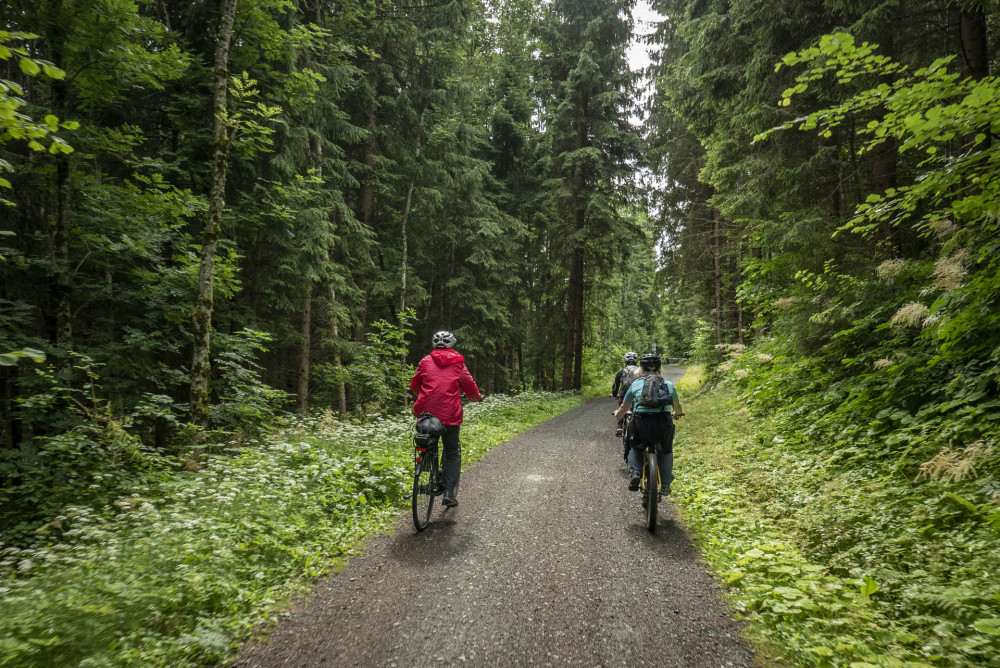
717,259
757,325
337,362
570,342
975,57
402,273
201,317
885,158
626,286
574,303
366,202
7,376
972,33
578,339
59,231
304,353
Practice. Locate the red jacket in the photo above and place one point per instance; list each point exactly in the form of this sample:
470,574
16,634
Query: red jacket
439,379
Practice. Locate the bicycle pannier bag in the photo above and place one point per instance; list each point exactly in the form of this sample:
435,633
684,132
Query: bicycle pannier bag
430,425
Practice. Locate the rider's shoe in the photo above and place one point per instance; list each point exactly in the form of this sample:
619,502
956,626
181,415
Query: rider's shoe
633,483
449,499
618,431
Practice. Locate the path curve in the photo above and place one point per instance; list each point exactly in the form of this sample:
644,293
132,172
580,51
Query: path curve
546,562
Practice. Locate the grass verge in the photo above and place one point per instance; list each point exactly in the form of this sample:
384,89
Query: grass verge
830,565
176,574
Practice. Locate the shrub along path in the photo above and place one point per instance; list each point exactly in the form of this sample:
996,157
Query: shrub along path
546,562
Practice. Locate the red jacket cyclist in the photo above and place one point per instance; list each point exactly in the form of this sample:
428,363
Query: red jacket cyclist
439,382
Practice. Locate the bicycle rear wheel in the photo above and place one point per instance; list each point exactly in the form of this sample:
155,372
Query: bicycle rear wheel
651,484
425,480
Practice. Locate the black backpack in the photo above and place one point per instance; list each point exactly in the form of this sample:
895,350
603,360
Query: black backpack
628,377
655,393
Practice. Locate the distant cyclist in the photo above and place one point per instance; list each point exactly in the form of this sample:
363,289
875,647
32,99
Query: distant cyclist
439,382
653,427
623,379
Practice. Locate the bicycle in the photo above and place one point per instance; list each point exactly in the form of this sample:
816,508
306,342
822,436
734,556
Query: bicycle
650,486
427,479
427,482
626,425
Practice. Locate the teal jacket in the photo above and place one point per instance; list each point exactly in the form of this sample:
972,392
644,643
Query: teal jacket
634,392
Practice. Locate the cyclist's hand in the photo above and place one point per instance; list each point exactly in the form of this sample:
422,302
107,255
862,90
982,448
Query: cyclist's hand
678,416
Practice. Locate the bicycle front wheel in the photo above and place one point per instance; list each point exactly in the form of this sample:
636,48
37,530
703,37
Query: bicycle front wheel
424,482
652,488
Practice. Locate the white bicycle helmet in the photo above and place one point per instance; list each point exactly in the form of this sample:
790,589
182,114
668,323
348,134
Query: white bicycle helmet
631,357
444,339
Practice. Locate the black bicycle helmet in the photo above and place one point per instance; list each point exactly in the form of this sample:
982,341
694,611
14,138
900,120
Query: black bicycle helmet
650,361
631,357
444,339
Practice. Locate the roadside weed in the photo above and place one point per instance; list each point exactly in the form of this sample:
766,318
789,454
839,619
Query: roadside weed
836,565
178,572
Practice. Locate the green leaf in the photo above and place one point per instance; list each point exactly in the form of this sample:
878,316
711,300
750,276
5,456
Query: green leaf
869,587
820,650
965,503
53,72
29,67
990,625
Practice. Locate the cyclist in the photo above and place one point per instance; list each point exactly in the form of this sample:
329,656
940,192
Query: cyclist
439,382
652,427
623,379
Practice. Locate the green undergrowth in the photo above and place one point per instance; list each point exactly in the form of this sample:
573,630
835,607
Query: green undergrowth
836,559
176,574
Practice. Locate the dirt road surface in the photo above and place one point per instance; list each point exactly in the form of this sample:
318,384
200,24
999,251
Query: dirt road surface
546,562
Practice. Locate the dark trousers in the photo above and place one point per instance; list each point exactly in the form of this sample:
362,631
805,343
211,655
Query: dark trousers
451,460
653,430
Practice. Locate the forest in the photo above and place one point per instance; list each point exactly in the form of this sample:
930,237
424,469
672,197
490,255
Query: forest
220,217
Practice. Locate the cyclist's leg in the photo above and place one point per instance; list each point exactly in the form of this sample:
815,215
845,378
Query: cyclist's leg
627,440
635,455
451,462
665,456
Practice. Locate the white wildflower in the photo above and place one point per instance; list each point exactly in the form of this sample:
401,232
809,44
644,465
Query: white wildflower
949,272
943,227
911,314
890,268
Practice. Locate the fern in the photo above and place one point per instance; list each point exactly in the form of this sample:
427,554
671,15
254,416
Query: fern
955,604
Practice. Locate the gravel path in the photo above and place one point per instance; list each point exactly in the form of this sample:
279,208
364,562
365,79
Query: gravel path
545,563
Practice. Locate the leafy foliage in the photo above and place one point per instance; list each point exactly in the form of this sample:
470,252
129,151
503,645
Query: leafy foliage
837,555
178,571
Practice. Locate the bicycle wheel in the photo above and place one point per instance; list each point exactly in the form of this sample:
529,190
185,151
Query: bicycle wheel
424,484
626,425
651,482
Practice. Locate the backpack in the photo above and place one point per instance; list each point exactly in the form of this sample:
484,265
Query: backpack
655,394
629,374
